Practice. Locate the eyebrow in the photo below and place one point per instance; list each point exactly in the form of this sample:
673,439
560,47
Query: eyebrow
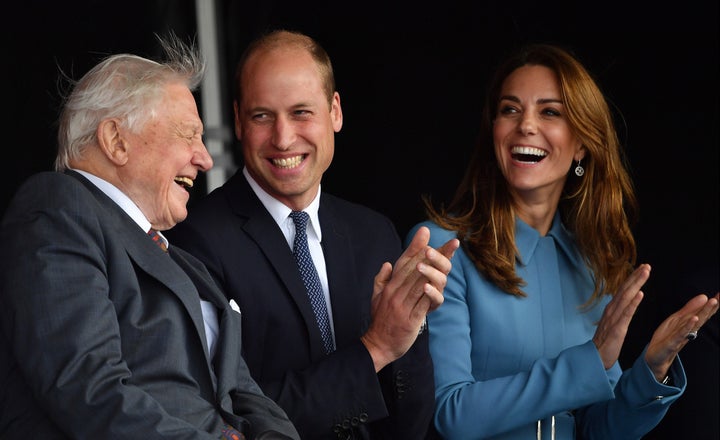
539,101
186,126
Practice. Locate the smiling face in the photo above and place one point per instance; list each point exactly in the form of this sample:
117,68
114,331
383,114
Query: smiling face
534,143
164,159
286,125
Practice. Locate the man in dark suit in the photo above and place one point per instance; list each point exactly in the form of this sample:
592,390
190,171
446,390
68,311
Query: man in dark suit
376,381
108,332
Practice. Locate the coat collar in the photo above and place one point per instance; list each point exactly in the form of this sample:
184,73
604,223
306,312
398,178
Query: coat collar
527,239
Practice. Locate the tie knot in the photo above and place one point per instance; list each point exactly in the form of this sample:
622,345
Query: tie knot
300,218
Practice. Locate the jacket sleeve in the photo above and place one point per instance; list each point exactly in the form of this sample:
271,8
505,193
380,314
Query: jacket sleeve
410,393
639,405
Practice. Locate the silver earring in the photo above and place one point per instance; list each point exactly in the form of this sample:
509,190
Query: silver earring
579,170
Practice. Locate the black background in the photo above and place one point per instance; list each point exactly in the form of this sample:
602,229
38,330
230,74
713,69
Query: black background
411,80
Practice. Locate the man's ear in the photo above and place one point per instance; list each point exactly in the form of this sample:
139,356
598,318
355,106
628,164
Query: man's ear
336,113
111,141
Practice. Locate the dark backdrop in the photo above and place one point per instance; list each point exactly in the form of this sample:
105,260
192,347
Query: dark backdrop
411,79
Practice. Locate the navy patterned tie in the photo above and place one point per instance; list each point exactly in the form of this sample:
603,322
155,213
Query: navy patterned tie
310,277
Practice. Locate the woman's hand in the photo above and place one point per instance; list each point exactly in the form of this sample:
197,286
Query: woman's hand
612,328
671,336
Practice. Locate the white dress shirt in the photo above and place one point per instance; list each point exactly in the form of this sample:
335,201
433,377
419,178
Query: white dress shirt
281,214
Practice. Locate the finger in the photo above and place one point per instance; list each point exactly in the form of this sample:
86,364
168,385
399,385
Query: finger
429,299
423,300
636,279
437,260
434,296
629,289
436,276
382,278
696,313
448,249
418,244
433,271
433,268
407,263
627,313
429,266
413,291
614,323
708,310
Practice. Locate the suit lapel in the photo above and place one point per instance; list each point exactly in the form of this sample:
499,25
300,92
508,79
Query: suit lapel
207,289
227,348
262,229
166,270
148,257
340,263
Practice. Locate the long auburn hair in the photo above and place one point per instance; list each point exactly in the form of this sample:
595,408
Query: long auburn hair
596,208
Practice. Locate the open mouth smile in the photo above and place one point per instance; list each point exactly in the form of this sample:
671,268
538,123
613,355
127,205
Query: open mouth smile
185,182
528,154
288,162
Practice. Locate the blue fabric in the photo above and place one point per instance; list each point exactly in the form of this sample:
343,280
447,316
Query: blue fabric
503,362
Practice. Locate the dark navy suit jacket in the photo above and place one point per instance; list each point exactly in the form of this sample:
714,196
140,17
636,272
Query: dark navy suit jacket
326,396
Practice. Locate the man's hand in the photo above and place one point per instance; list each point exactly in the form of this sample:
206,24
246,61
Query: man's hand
404,295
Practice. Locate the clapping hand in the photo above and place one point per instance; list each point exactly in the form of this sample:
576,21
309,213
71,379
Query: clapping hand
612,328
667,340
677,330
403,295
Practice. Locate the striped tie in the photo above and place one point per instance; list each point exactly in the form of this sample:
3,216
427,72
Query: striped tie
157,239
230,433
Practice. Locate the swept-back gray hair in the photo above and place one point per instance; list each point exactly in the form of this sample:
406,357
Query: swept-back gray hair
126,87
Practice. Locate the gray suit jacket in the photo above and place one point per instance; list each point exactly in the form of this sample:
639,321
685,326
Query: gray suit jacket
102,332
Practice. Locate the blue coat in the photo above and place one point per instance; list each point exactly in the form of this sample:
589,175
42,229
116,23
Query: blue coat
503,362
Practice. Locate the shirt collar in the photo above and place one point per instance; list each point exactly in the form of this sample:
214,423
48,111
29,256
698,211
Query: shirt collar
123,201
118,197
280,212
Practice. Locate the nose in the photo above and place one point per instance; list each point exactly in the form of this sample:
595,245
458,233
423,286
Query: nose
528,124
283,134
201,158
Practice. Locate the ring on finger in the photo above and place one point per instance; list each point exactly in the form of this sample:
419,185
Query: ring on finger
692,335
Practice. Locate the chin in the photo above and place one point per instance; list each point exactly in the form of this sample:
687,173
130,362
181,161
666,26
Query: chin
178,216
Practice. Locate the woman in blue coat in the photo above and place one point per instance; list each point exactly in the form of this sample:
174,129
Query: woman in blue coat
542,291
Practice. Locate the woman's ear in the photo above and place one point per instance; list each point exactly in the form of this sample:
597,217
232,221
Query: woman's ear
580,154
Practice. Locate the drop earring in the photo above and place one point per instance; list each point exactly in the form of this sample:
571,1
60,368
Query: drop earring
579,170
